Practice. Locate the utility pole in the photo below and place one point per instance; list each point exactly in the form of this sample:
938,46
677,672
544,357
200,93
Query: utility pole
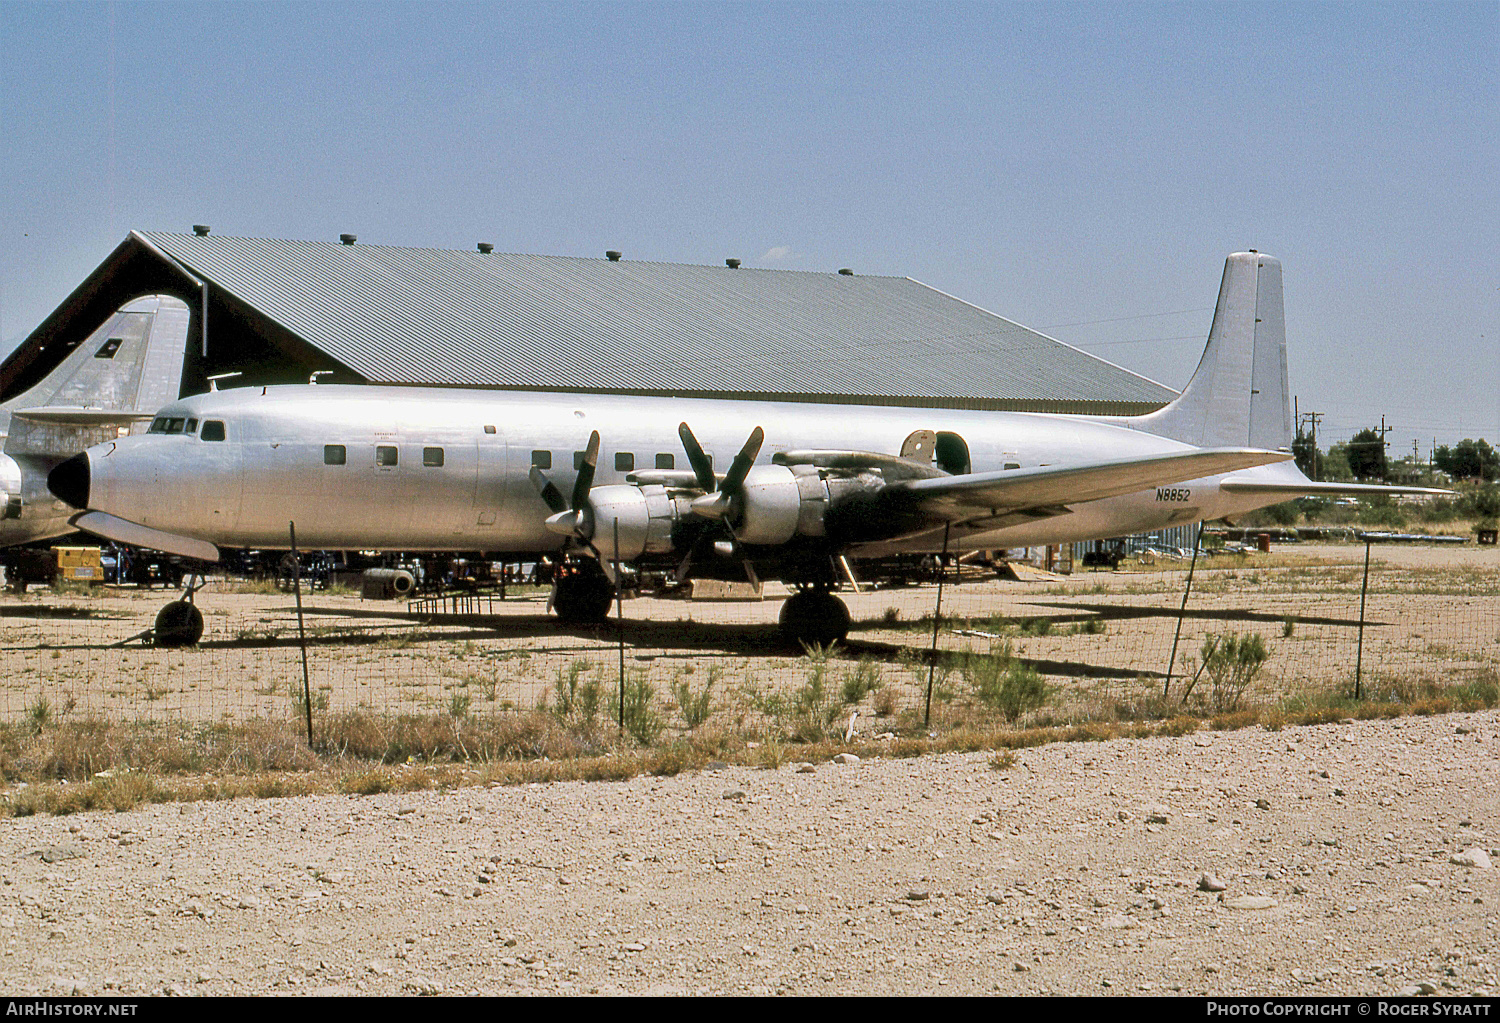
1312,418
1385,443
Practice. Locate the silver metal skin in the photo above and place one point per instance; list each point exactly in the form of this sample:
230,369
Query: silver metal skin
108,385
430,469
270,469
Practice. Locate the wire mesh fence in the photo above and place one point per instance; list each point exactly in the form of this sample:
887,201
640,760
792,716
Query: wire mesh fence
1094,637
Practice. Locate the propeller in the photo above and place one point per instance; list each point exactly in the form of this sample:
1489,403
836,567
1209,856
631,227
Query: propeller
720,496
573,518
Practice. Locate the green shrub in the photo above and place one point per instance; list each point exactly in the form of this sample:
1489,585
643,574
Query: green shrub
1004,684
696,708
1231,662
641,720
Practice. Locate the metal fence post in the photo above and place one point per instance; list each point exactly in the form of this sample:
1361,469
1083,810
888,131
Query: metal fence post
1172,661
301,630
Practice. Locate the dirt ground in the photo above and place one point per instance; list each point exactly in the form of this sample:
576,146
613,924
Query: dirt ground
1346,852
1347,855
1431,613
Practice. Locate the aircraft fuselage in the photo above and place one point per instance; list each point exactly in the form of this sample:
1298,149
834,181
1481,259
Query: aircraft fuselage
423,469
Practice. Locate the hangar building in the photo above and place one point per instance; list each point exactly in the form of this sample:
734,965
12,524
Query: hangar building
277,311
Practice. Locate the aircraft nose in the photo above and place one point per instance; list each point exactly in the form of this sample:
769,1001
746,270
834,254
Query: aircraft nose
70,481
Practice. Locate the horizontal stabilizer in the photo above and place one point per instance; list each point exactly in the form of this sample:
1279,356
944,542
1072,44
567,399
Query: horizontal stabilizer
1307,488
75,416
957,498
120,530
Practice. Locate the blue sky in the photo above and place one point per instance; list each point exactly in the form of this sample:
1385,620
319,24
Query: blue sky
1081,168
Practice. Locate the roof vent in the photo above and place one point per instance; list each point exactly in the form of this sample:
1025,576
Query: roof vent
348,239
613,255
846,271
733,264
201,230
486,248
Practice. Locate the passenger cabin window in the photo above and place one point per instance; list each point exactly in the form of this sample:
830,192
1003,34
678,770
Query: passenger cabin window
488,428
432,457
334,454
541,459
385,454
624,461
578,459
212,430
109,348
666,462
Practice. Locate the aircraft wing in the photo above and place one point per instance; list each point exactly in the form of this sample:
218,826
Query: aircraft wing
1307,488
983,494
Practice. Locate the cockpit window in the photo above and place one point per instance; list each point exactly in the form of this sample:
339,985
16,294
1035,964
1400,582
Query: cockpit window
191,427
212,430
173,424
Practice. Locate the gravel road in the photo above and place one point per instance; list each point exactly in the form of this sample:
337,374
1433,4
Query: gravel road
1078,870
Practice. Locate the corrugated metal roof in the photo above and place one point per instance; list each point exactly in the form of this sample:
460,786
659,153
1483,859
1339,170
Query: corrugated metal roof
434,316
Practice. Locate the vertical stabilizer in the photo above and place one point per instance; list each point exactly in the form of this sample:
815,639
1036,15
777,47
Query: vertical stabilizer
131,365
1238,395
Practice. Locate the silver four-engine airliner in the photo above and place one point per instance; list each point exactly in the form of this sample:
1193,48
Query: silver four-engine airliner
782,488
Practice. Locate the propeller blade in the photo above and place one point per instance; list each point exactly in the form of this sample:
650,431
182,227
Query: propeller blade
585,481
693,552
697,459
740,467
735,544
550,494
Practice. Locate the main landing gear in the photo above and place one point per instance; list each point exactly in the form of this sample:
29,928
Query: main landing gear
581,592
814,617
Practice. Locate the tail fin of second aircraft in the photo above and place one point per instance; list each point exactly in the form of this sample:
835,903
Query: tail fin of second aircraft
119,374
1238,396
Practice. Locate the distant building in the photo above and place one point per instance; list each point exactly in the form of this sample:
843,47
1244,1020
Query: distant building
279,311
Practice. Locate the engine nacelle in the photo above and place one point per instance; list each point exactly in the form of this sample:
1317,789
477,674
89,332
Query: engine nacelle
646,515
778,502
10,488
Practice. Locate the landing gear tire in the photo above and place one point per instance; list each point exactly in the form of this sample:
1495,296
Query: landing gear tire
582,596
814,617
177,624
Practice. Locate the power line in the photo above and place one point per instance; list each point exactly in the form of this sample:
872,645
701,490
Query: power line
1117,319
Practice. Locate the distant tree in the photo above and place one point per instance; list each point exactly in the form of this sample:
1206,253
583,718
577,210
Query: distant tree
1486,503
1305,453
1336,464
1469,459
1366,452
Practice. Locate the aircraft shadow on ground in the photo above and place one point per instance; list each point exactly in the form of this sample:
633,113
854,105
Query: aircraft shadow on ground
1127,612
649,639
64,613
652,640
